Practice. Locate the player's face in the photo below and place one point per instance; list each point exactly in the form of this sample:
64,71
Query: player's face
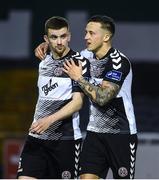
58,40
94,36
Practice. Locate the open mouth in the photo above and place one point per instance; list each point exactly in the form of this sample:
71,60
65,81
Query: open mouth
88,43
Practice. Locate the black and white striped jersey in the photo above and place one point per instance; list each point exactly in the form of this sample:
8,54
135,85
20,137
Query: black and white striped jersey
118,115
55,91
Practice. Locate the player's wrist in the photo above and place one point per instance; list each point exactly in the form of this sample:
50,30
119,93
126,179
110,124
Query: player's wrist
79,79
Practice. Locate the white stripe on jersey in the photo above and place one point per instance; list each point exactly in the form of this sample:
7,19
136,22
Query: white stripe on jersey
125,93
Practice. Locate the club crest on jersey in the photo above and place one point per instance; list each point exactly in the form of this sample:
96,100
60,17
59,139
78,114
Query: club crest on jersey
96,71
115,75
58,71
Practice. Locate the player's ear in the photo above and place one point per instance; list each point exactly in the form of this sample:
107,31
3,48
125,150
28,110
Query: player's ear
107,37
46,38
69,36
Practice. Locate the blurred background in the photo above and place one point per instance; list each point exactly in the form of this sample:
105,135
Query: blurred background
22,29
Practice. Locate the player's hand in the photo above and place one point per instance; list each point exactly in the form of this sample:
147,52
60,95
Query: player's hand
74,71
41,125
40,51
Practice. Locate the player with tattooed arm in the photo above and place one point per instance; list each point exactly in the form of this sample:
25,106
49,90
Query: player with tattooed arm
111,139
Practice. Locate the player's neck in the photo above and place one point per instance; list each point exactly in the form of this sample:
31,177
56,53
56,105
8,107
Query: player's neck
102,51
60,56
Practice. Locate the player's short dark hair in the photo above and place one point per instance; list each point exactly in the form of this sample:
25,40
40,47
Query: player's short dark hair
105,21
56,22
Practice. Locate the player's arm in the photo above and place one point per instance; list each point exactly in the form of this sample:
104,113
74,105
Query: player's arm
100,95
40,50
73,106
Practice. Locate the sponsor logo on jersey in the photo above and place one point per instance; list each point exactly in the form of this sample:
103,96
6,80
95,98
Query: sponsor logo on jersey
115,75
49,87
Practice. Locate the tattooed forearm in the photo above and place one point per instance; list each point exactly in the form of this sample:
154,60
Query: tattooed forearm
100,95
87,88
105,94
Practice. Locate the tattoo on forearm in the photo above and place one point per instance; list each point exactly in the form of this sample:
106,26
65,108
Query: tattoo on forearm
100,95
87,88
90,89
104,95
